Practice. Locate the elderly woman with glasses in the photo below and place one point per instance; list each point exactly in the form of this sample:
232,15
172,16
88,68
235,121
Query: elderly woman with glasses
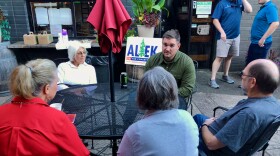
164,130
76,71
28,126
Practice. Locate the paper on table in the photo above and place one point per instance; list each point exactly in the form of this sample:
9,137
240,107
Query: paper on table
71,117
57,106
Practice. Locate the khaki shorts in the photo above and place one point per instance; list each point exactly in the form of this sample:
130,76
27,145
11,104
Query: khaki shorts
230,47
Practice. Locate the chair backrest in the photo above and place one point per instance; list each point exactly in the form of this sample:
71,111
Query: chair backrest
196,67
267,134
57,61
101,65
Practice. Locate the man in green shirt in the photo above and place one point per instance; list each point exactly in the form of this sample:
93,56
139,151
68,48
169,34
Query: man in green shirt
177,63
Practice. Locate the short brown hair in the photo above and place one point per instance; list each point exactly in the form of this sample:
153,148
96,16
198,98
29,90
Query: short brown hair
173,33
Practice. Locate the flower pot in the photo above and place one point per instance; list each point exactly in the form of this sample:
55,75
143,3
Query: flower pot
144,31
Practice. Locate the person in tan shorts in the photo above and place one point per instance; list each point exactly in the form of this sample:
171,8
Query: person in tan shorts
225,50
226,19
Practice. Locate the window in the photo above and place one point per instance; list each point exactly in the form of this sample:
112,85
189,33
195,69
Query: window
53,16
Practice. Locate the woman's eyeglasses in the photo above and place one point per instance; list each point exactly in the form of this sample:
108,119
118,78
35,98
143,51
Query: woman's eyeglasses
81,53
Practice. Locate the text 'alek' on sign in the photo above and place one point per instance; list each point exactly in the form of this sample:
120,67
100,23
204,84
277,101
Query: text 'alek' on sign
140,49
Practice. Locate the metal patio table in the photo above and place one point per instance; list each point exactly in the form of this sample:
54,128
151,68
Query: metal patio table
96,116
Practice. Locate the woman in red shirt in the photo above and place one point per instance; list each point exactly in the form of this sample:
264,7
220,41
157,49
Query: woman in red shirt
28,126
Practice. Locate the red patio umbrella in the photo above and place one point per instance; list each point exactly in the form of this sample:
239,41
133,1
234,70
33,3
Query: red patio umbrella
112,21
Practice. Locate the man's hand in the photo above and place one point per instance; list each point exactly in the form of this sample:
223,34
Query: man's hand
209,121
261,42
224,36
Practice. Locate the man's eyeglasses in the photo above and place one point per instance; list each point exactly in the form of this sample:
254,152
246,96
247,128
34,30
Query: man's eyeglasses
242,74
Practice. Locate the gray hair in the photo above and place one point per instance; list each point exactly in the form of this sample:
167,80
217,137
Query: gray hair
157,90
73,49
173,33
27,80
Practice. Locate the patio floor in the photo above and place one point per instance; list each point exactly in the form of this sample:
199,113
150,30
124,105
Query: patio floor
204,100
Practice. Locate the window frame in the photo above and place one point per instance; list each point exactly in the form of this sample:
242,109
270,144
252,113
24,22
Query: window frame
32,23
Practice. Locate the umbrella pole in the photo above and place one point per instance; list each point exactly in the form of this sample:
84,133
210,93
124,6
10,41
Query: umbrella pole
111,75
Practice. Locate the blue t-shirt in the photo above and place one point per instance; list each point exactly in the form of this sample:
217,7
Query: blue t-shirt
239,127
267,14
229,15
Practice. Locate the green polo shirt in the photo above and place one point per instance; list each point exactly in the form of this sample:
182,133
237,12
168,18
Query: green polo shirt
182,68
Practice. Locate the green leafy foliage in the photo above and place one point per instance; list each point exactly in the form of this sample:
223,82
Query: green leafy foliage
5,29
147,12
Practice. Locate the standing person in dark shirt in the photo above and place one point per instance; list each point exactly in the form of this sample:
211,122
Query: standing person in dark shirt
265,23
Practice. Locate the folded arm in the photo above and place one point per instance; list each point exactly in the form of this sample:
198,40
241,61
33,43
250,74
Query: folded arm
210,140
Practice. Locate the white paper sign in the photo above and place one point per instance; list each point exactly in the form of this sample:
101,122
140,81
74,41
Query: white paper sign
41,16
203,7
55,29
54,16
65,16
203,29
139,49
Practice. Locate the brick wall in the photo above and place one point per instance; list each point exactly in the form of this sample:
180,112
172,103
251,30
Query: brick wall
246,23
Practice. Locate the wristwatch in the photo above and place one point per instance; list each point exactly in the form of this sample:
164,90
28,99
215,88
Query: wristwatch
204,125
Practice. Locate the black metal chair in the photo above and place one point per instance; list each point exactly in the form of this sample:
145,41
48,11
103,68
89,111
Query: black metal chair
189,98
101,65
57,61
262,142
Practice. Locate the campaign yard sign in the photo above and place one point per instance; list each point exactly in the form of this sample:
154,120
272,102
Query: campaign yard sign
140,49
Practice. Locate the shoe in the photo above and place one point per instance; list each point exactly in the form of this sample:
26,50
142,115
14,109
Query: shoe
213,84
227,79
239,86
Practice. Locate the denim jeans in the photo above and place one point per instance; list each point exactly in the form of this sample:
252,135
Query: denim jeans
199,120
182,103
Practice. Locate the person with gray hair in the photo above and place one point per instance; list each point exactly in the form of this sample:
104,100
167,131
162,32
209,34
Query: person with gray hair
164,130
179,64
28,125
76,71
240,127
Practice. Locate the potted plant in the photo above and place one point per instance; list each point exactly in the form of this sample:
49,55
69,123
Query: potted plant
147,14
4,28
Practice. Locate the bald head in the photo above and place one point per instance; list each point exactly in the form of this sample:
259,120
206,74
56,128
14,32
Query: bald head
266,73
